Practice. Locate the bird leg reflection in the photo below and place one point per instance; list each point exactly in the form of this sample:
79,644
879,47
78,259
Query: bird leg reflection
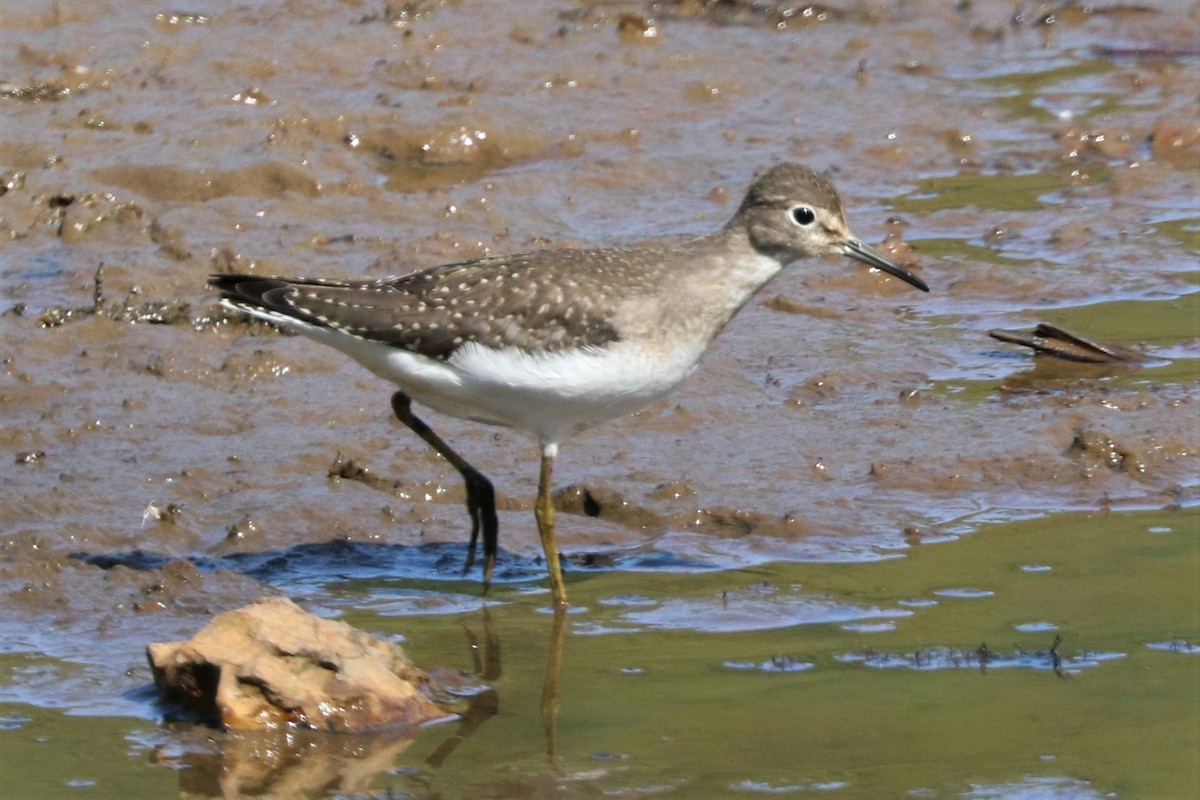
484,705
550,690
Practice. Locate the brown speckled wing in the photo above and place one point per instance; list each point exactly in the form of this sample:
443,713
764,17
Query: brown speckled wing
524,302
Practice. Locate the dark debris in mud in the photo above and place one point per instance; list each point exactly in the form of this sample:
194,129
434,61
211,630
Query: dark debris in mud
1051,340
778,15
31,457
33,92
1042,18
344,468
778,664
128,309
605,503
11,181
400,15
982,658
1098,447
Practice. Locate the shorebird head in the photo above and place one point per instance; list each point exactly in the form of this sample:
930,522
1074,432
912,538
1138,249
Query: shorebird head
792,212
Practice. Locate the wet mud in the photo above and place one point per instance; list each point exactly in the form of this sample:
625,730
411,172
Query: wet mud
164,460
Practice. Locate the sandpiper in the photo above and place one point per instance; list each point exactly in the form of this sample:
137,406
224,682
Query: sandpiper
555,342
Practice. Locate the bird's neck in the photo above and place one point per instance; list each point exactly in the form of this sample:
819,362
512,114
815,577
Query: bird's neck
724,272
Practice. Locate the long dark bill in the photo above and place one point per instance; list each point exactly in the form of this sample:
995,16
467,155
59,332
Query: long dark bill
872,257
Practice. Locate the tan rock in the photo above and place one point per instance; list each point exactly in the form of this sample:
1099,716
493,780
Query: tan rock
271,664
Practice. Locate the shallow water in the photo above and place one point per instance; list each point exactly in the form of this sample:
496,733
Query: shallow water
913,676
849,454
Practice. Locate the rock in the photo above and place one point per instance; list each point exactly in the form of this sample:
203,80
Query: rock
272,664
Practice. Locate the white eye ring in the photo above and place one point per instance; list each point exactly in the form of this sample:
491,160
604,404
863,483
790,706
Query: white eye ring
802,216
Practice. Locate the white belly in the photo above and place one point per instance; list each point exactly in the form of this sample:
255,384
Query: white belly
550,395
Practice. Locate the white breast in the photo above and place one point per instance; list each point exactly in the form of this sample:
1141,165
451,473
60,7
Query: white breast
551,395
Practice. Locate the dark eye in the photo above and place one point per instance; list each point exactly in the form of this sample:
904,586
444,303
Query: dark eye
803,216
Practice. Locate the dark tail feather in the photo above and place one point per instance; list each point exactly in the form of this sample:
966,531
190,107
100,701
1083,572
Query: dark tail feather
253,291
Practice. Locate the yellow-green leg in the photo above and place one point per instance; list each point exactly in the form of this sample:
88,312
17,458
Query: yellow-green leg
544,511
